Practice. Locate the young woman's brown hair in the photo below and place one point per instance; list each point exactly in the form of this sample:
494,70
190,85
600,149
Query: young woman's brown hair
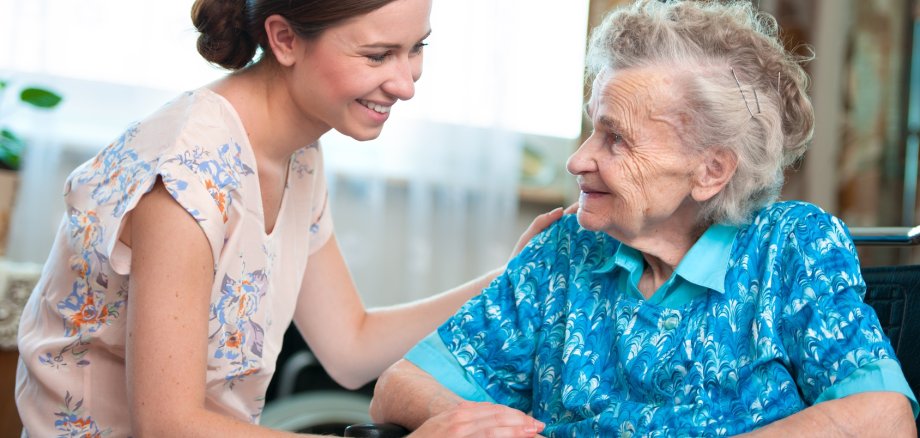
232,31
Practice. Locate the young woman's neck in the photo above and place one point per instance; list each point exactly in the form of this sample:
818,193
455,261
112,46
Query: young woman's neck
275,124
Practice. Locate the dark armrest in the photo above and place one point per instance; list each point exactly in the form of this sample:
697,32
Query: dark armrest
376,430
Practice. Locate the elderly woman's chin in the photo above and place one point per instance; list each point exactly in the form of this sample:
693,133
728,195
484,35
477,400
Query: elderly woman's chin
592,221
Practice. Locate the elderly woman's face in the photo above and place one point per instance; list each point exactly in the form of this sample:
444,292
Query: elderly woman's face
634,173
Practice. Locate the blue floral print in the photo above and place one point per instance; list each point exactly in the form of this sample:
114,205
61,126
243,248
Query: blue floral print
71,421
221,175
556,336
241,338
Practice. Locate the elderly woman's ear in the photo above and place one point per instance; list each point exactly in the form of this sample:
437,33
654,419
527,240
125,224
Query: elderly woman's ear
714,171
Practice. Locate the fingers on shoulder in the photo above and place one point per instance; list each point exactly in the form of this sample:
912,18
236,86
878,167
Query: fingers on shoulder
548,217
540,223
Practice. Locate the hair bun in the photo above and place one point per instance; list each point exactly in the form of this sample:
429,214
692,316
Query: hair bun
223,38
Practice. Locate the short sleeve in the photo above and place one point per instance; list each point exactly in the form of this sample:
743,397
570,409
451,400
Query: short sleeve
494,335
432,356
881,375
102,192
828,332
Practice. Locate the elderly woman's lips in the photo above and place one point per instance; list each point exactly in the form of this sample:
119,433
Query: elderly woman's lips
587,194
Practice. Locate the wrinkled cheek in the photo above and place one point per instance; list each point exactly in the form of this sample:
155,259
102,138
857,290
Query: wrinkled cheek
633,188
629,198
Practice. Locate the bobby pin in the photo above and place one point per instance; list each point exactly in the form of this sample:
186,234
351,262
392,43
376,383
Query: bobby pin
756,100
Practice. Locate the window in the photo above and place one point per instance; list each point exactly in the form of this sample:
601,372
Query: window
515,64
499,75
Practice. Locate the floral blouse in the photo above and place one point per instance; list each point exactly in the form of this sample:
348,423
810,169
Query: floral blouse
745,337
71,377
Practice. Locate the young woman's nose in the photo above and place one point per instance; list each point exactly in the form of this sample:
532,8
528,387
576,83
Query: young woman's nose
401,83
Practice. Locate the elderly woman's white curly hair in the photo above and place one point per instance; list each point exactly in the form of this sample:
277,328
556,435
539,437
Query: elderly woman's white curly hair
708,44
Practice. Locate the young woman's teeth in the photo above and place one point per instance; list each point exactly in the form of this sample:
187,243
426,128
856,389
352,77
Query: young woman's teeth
379,108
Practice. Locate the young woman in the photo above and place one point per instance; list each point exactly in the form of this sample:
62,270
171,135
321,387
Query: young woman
194,239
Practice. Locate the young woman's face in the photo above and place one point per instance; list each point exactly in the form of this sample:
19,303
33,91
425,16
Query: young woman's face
350,78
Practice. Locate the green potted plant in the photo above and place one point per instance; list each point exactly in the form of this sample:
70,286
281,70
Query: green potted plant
11,145
11,149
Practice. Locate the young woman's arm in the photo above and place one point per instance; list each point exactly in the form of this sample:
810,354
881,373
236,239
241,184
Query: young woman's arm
172,272
355,345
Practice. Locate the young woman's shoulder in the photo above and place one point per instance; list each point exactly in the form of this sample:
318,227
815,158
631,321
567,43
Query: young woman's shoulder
197,119
190,144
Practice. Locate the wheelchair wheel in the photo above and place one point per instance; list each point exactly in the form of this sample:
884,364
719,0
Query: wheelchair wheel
317,412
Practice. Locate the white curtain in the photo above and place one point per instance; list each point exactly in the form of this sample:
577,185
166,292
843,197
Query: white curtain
37,207
509,63
428,205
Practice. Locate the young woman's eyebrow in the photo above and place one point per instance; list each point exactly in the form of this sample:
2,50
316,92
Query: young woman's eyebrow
390,46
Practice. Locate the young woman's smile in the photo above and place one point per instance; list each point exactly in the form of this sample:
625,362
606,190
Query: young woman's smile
364,67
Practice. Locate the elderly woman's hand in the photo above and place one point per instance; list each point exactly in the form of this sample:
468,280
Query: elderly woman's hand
475,419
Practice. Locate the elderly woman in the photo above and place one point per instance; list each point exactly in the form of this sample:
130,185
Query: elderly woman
683,300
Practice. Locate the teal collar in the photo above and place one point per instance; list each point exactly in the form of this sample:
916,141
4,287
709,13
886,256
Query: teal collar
705,264
707,261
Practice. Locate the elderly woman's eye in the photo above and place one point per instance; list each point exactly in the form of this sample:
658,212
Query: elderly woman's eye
614,138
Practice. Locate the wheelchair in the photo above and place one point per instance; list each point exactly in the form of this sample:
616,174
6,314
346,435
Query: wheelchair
303,398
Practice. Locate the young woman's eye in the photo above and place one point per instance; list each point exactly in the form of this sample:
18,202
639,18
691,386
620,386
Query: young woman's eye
377,58
418,48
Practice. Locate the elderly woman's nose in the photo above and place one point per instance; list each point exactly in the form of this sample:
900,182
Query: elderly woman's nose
581,162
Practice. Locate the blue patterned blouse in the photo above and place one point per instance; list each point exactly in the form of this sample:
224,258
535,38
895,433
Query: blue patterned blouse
756,324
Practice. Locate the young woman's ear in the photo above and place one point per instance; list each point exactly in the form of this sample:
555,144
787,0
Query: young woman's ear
281,39
714,173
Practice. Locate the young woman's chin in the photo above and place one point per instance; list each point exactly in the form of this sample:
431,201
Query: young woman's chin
360,132
362,124
364,138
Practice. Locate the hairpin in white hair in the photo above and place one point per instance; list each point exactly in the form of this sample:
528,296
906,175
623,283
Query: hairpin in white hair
746,104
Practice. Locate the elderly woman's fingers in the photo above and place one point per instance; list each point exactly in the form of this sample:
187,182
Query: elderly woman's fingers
480,419
539,224
571,209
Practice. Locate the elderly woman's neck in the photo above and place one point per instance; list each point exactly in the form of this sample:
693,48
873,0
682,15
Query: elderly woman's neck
662,254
